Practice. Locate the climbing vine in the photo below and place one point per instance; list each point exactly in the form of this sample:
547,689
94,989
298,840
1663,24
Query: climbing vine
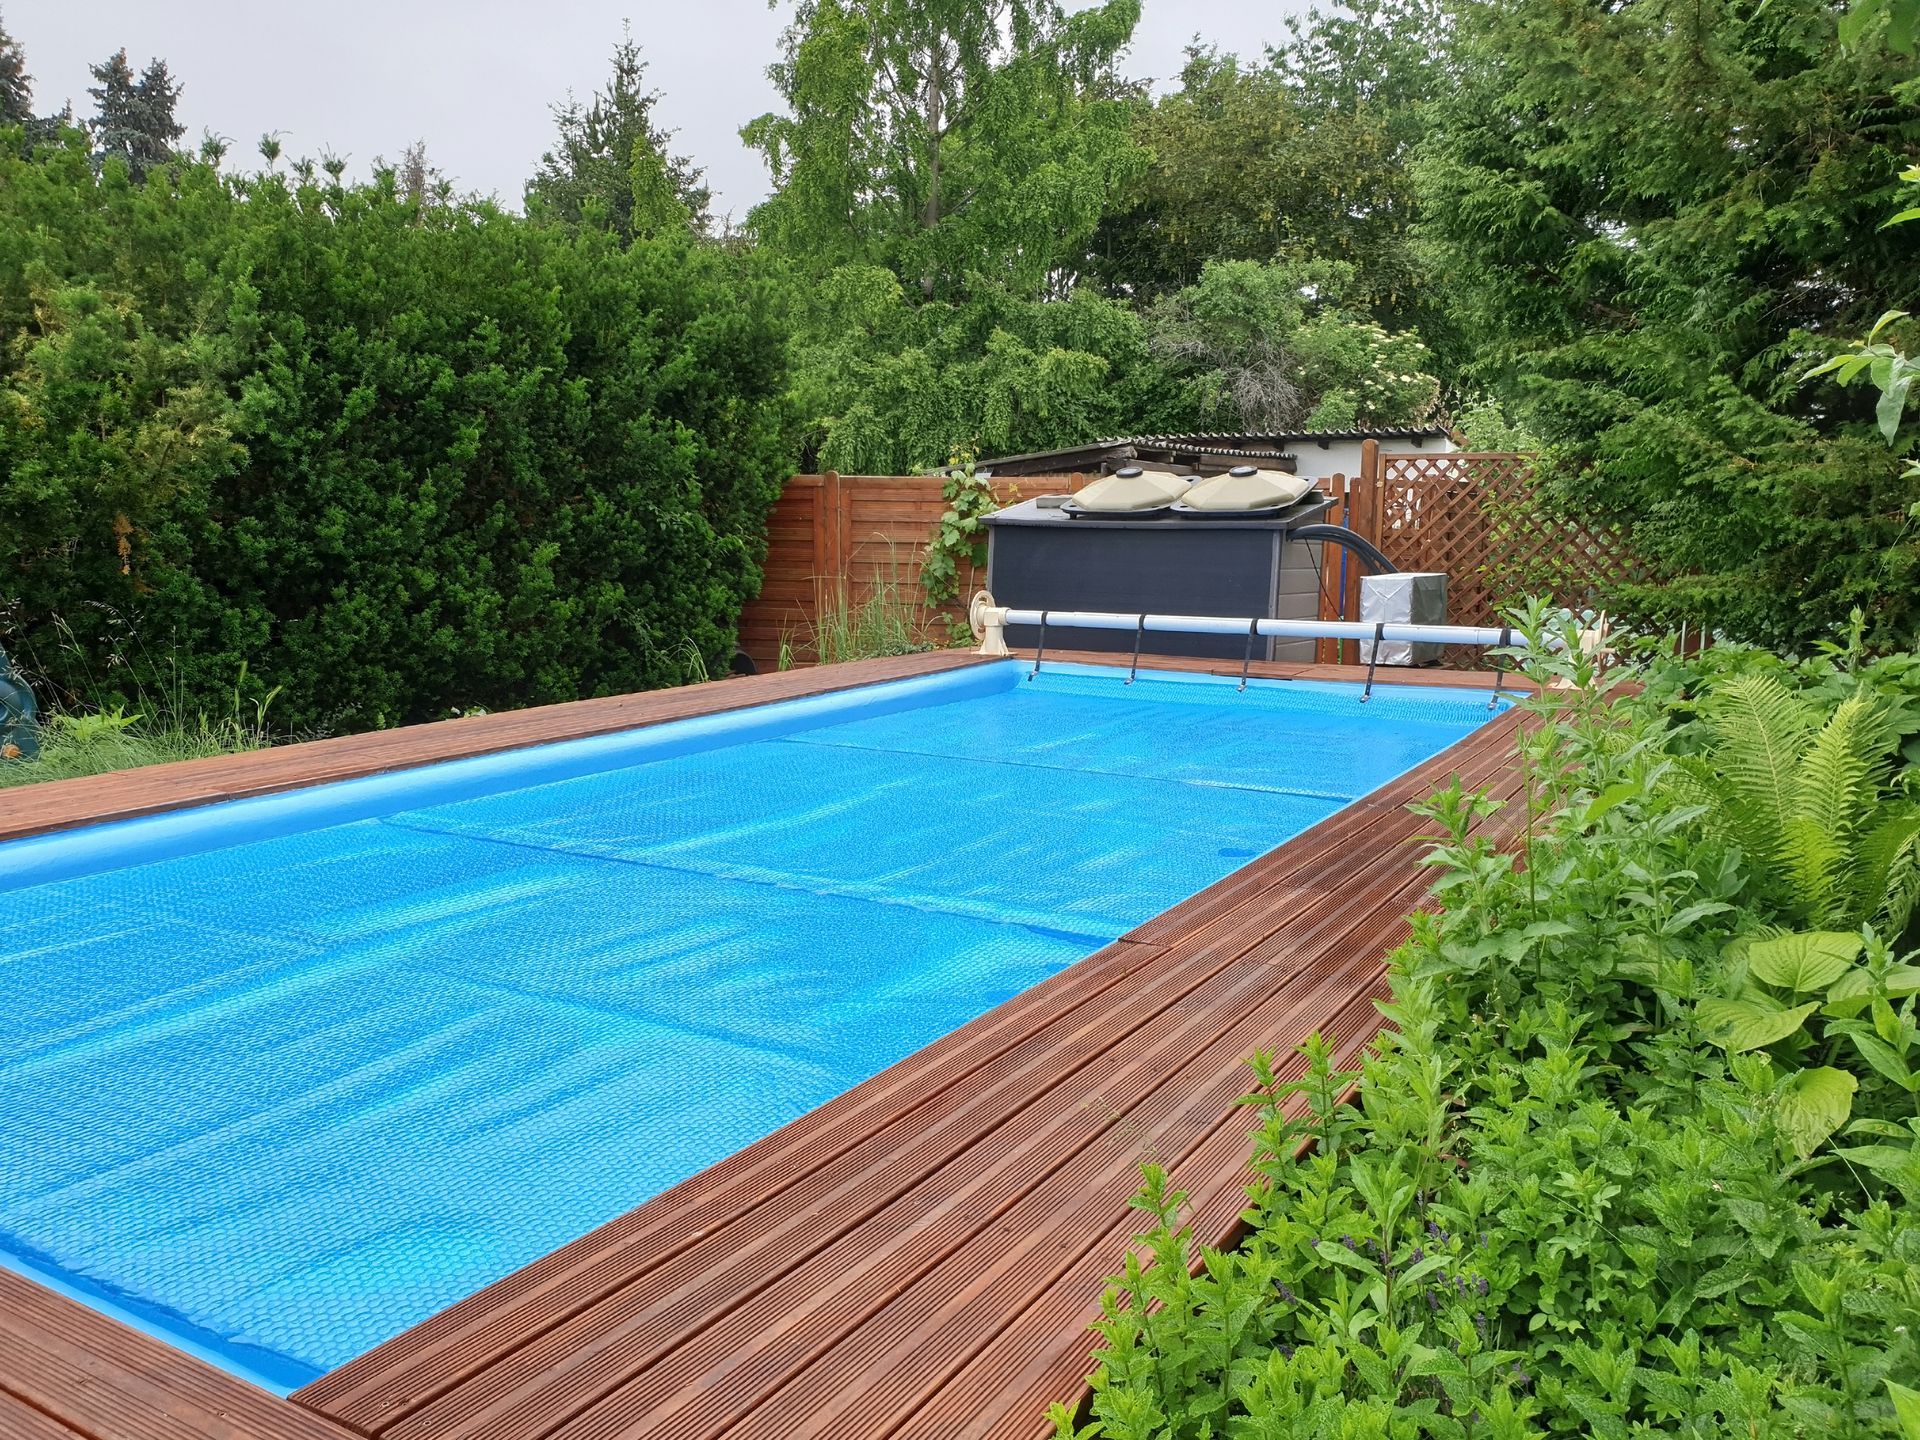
959,535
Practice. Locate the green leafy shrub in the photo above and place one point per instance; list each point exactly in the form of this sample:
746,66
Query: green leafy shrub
403,459
1569,1199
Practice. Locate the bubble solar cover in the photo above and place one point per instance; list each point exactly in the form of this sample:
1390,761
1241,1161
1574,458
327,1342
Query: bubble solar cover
284,1077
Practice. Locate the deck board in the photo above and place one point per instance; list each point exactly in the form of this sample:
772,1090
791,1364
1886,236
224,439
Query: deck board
918,1257
20,1421
101,1379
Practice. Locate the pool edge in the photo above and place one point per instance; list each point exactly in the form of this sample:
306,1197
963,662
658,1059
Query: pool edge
55,805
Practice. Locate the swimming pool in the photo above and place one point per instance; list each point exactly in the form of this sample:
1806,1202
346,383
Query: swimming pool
282,1077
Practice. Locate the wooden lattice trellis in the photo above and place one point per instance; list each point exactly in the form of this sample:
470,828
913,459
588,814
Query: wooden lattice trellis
1477,518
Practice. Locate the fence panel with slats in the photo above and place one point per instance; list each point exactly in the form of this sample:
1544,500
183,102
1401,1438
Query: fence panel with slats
834,540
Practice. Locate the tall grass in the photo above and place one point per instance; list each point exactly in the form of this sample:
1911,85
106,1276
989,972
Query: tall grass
75,743
885,620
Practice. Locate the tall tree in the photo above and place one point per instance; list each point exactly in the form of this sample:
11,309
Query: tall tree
1387,56
16,85
952,141
612,168
134,118
1652,218
1300,158
416,179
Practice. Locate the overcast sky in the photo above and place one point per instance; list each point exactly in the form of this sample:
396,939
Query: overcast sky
475,78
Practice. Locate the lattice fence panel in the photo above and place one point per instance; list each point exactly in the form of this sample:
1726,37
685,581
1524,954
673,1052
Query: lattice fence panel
1478,518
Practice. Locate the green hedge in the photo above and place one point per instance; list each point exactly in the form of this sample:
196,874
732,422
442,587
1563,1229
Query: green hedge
396,460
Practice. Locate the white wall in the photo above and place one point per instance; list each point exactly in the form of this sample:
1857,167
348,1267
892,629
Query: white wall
1316,461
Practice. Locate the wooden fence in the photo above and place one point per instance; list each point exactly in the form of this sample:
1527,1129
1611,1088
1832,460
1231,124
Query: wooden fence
835,539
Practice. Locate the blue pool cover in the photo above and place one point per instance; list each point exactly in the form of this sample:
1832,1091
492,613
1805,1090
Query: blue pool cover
281,1078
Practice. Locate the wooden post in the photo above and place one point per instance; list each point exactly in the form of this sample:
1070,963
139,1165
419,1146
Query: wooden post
1368,509
843,538
1364,519
1325,651
829,561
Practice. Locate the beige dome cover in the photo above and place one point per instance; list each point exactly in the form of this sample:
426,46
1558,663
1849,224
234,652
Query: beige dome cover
1131,489
1245,488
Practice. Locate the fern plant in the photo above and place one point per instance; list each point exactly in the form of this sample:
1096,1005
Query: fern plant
1807,800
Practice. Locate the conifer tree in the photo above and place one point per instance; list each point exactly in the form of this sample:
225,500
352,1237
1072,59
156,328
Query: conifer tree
134,119
1651,223
612,167
16,85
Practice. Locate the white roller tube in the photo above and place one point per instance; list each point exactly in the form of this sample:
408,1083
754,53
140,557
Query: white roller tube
995,618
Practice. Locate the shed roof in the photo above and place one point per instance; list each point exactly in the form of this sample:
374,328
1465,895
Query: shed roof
1200,452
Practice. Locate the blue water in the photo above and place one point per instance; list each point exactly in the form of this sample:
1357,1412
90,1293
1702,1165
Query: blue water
282,1078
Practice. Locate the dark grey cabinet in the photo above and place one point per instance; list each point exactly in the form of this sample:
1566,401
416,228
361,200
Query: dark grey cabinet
1041,558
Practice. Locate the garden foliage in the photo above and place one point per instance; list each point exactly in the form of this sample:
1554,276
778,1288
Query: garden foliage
957,143
1642,1150
611,167
1652,219
883,381
398,458
1301,157
380,429
940,175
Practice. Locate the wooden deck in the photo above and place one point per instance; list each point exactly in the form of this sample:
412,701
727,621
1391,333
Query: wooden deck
919,1257
67,1371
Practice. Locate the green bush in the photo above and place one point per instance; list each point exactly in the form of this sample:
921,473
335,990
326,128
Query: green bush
1651,220
1638,1157
402,458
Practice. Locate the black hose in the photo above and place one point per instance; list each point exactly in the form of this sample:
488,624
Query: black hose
1376,561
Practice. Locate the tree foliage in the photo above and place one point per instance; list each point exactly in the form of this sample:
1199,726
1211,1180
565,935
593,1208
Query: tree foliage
891,384
611,166
133,118
16,85
1270,348
888,384
1303,157
397,461
939,175
954,142
1626,232
1651,218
